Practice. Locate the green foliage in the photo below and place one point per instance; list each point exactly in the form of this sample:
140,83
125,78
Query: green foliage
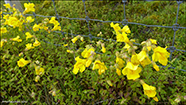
89,87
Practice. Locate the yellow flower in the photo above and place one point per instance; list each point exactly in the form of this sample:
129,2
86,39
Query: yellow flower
153,41
88,52
6,17
17,39
56,27
36,43
79,66
29,46
89,61
29,19
103,49
143,58
99,65
122,37
118,71
3,30
70,51
100,33
156,99
20,54
115,26
160,54
29,7
127,46
45,28
120,62
13,21
39,70
53,21
150,91
65,45
2,42
75,39
156,67
28,35
134,59
36,27
22,62
37,78
125,29
145,62
132,71
7,5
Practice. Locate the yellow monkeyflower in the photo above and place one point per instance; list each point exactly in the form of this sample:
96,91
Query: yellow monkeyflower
103,48
120,62
156,67
22,62
134,59
45,28
17,39
125,29
29,19
36,27
29,46
13,21
6,17
29,7
88,52
80,65
99,65
127,46
115,26
89,61
145,62
7,5
150,91
36,43
75,39
2,42
122,37
39,70
143,58
118,71
153,41
54,21
28,35
68,51
56,27
132,71
160,54
3,30
65,45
